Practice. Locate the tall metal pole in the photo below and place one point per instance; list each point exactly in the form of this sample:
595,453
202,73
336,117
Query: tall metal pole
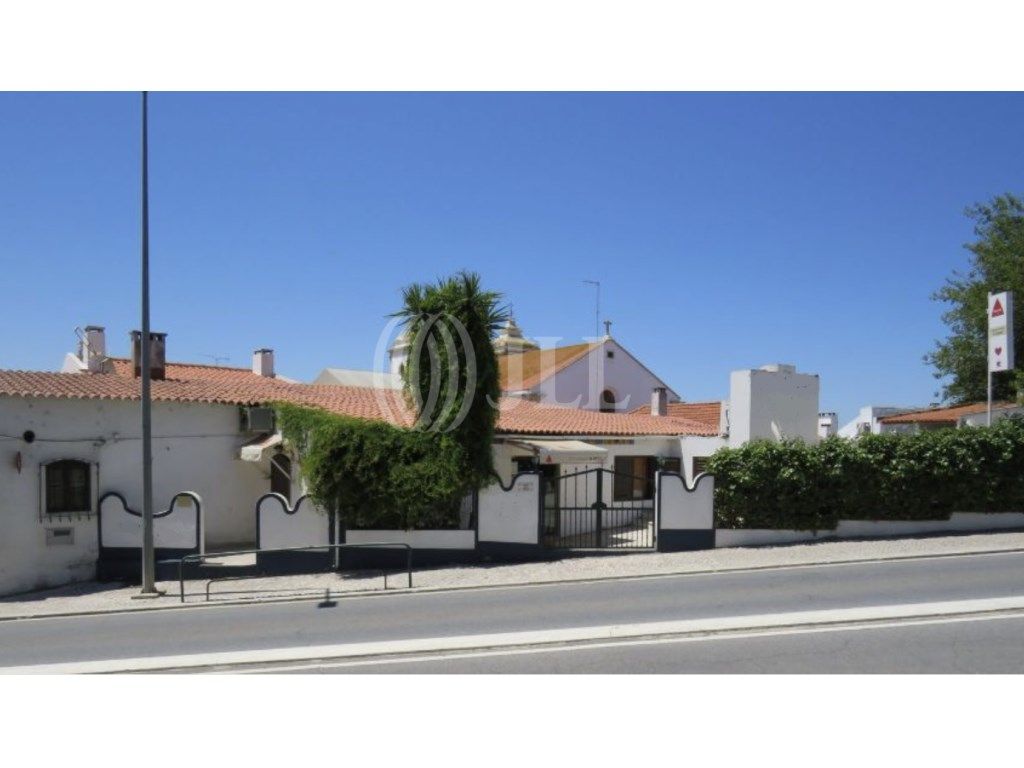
148,553
988,421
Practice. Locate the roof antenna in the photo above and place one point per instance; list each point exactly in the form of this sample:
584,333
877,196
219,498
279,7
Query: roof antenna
218,359
597,308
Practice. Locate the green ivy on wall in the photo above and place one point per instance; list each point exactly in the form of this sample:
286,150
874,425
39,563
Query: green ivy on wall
374,474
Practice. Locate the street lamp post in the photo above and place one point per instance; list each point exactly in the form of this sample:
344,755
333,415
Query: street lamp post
148,552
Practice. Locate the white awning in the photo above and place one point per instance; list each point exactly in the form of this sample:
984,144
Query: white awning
564,451
255,448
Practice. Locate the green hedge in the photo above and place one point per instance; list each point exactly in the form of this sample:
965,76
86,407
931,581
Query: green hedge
922,476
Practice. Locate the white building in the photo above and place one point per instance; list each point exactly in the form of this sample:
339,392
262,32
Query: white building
951,417
868,420
828,425
69,439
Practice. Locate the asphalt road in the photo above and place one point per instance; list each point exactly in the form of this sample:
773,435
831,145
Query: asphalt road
983,646
543,607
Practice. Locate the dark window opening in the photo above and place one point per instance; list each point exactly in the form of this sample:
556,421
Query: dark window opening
281,475
634,478
672,464
524,464
68,487
700,464
607,401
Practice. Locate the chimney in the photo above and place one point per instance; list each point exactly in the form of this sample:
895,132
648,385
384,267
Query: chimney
659,401
93,348
157,355
263,362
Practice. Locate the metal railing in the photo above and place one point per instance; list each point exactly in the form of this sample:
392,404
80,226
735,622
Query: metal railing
202,557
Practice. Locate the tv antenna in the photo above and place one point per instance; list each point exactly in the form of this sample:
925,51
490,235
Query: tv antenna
218,359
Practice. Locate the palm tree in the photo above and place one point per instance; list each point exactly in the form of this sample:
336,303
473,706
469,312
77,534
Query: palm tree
451,376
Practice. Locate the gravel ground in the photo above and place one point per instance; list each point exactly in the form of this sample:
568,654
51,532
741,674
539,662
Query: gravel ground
92,596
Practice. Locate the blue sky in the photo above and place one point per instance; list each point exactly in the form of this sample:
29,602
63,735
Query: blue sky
728,230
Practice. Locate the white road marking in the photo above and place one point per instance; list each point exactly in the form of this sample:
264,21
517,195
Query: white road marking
740,635
649,630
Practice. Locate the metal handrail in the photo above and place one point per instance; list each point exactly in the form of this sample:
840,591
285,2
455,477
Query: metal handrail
198,557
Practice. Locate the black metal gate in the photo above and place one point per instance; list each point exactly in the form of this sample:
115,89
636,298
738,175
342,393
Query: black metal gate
597,509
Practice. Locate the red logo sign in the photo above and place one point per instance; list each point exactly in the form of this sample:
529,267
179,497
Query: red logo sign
997,309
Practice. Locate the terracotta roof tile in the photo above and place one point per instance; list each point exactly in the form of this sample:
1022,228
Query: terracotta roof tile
526,417
238,386
706,413
948,415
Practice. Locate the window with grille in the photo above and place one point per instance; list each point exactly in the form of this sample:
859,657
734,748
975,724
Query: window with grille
68,487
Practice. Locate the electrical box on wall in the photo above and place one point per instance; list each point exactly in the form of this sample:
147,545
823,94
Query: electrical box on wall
59,536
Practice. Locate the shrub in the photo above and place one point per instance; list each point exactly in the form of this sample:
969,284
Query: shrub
923,476
376,475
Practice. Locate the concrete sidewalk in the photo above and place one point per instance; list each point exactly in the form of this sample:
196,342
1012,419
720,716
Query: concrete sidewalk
92,597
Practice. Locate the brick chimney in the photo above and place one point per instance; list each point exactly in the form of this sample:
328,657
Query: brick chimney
659,401
263,362
157,354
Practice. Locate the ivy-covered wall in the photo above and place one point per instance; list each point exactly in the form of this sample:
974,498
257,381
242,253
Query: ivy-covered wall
876,477
377,475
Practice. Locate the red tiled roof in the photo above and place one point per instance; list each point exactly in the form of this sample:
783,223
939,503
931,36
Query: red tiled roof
709,413
238,386
526,417
948,415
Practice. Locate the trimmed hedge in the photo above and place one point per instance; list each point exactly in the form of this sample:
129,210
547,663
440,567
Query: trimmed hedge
924,476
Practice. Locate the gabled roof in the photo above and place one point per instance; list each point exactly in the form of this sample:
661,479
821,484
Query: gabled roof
187,383
525,370
948,415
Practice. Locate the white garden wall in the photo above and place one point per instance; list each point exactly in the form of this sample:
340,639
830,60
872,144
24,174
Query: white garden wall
684,508
178,529
959,522
510,516
281,526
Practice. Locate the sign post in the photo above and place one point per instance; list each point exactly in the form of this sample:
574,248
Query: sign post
1000,339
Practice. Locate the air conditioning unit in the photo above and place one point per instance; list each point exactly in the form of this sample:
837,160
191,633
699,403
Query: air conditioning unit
257,419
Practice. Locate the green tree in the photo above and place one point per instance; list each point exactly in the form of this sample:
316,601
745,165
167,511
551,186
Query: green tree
996,264
451,376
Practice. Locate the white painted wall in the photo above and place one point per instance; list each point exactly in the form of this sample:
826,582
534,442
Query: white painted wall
305,526
581,383
686,508
195,448
867,419
981,419
510,516
176,530
693,446
772,404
